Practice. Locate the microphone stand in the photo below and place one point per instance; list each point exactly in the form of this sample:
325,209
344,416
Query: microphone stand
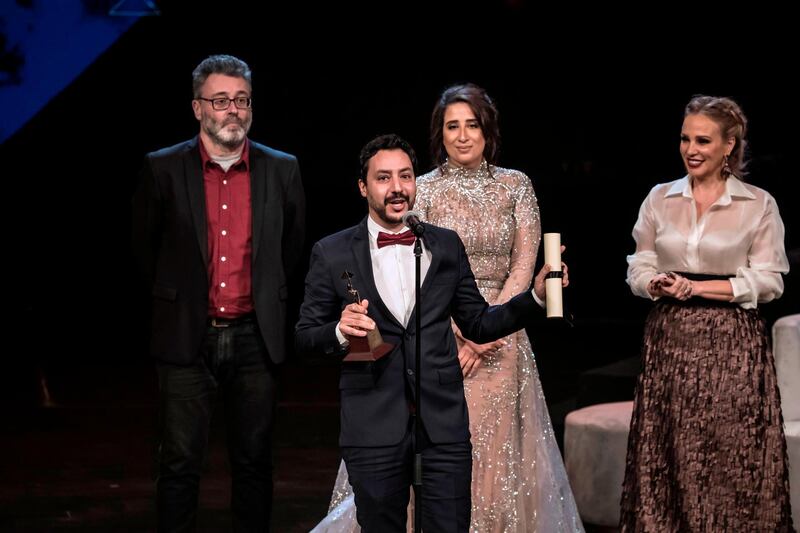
418,393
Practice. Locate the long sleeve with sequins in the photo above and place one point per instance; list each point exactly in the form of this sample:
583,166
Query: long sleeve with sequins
526,238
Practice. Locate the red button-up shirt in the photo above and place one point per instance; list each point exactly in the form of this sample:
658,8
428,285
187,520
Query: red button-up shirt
229,217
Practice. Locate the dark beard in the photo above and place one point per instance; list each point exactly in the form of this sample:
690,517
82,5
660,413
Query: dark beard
381,209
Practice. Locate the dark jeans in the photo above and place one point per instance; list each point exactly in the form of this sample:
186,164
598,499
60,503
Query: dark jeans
381,478
238,369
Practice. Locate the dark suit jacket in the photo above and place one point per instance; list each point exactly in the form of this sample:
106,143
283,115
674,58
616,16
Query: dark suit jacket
374,410
171,245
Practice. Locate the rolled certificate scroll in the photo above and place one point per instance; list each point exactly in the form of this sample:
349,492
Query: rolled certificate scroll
552,257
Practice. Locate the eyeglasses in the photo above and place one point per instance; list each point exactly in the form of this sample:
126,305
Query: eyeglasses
223,103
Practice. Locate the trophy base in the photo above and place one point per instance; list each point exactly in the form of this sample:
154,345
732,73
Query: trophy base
361,351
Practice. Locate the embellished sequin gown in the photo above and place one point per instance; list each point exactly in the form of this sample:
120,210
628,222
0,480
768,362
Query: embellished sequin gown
519,483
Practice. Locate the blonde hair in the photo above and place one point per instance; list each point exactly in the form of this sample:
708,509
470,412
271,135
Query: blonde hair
732,123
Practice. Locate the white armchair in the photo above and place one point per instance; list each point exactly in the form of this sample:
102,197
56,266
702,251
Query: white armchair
786,349
595,448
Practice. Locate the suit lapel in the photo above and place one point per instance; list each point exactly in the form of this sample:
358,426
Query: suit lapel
197,195
433,245
366,286
258,192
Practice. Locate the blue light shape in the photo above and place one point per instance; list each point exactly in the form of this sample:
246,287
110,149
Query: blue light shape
57,39
134,8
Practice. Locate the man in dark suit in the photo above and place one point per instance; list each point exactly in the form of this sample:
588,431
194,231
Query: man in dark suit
377,399
217,225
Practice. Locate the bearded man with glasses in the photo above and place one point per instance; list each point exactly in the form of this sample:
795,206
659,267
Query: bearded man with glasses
218,223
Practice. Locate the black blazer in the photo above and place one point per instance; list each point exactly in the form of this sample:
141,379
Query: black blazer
374,410
171,245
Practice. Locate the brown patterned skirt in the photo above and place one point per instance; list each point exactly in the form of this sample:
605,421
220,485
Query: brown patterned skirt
706,450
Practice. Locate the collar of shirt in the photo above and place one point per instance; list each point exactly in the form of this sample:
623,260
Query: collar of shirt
374,228
393,268
243,160
734,188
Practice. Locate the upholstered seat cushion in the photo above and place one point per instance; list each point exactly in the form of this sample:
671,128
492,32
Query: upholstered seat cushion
595,446
786,349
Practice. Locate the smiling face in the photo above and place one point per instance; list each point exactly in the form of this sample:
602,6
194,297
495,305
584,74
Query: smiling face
390,187
462,136
226,128
702,147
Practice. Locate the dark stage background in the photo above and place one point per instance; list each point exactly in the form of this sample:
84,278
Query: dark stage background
590,112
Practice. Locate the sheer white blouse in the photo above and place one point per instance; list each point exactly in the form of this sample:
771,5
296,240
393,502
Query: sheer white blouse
740,234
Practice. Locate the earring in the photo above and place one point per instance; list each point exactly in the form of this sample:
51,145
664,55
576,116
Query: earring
726,168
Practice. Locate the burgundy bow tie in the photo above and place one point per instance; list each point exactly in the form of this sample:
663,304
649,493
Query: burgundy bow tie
387,239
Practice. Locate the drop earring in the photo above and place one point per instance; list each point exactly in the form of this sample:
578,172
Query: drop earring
726,168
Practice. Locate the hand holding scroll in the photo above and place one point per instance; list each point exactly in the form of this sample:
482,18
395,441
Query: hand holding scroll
546,285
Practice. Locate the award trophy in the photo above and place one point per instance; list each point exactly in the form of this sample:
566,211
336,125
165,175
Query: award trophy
371,347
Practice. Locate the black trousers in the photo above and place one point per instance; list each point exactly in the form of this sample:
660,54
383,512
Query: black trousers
381,478
238,369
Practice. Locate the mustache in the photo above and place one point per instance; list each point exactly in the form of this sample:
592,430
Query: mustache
395,196
233,120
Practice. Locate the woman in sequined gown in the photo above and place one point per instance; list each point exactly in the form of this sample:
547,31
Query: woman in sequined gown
518,479
706,450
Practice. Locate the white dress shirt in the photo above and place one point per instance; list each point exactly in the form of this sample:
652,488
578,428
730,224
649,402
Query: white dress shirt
393,268
740,234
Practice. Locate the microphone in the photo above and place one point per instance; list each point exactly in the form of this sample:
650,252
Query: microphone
411,219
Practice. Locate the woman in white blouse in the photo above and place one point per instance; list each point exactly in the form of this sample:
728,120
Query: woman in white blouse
706,450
